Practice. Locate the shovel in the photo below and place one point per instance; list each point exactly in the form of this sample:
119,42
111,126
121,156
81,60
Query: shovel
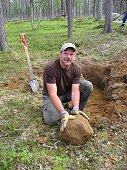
33,82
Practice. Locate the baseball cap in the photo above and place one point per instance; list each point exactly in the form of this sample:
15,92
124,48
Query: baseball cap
67,45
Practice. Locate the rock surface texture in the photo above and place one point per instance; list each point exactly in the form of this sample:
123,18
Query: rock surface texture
78,131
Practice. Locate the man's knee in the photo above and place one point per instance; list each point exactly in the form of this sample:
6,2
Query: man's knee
86,85
49,121
90,86
50,117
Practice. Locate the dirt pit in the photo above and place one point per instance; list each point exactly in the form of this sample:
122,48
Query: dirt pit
109,97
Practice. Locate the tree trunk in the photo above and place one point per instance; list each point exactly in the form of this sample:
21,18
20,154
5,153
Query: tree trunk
76,8
69,14
63,10
94,8
85,8
39,11
51,9
89,8
99,9
16,10
32,13
10,10
3,41
73,6
108,16
21,9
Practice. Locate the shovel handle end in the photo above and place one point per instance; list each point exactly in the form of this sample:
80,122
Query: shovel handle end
23,39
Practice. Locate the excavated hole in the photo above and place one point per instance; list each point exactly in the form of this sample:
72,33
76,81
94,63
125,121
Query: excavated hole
109,98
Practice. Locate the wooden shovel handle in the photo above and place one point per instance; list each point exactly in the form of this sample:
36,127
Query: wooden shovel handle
23,40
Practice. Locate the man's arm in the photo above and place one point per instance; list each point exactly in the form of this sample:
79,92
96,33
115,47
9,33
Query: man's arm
52,91
75,96
75,101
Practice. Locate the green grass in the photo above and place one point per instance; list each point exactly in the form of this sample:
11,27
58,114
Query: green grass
20,111
45,43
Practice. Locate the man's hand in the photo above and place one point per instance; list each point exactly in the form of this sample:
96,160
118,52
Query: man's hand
77,112
64,121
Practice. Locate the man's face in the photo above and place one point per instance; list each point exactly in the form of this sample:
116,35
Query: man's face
67,57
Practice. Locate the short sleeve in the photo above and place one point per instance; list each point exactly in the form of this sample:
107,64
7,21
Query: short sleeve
76,75
49,74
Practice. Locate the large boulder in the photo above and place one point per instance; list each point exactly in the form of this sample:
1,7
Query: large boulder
77,131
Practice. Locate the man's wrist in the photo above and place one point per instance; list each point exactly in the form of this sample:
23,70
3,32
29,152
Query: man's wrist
62,113
75,108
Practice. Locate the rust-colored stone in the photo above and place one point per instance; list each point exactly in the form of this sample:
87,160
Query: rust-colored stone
77,131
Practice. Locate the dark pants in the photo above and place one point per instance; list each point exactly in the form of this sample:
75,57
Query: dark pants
124,19
50,114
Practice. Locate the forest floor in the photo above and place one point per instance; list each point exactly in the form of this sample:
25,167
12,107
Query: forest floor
107,108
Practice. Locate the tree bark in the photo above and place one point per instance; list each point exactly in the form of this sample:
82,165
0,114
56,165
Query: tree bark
85,8
10,10
21,9
99,9
89,8
69,14
94,8
3,40
32,13
76,8
63,10
51,9
108,16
